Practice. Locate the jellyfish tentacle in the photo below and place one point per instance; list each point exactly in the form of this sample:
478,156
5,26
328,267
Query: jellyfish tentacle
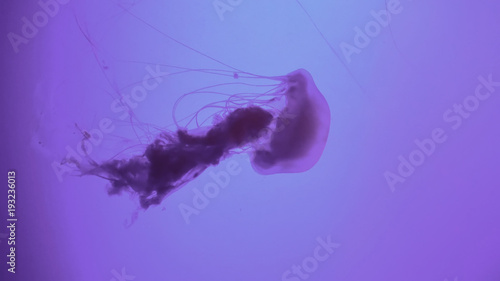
202,90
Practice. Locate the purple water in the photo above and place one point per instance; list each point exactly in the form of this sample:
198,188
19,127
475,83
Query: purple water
404,186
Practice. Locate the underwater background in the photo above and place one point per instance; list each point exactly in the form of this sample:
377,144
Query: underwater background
406,187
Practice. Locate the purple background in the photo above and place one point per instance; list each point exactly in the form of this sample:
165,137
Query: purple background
441,223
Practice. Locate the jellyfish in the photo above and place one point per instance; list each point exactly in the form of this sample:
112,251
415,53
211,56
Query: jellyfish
280,122
282,130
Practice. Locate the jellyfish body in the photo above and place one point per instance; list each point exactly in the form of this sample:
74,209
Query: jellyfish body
289,139
301,130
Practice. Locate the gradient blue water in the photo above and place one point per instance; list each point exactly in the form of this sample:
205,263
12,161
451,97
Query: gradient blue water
441,223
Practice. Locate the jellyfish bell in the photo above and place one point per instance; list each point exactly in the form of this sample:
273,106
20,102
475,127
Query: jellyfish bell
301,129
